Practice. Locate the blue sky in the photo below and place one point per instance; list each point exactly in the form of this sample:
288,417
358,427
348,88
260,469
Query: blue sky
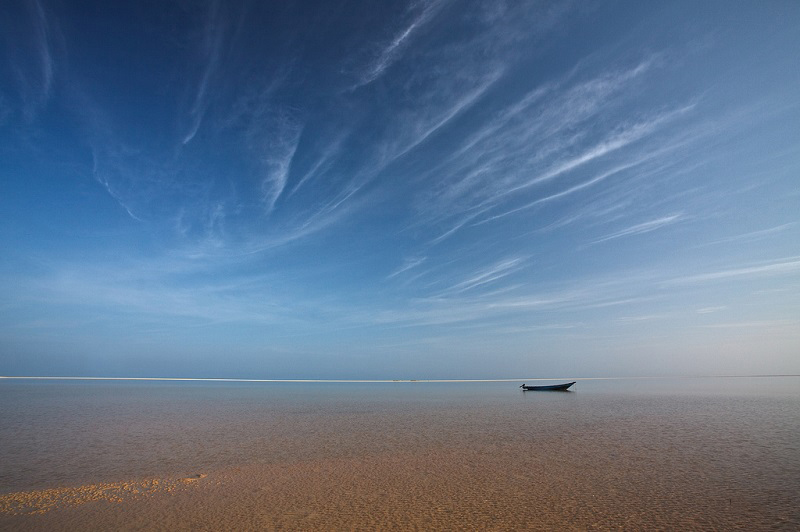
430,189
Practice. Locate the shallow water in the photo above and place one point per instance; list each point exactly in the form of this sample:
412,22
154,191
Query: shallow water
632,445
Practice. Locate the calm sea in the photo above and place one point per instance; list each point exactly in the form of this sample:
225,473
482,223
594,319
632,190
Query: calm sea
57,433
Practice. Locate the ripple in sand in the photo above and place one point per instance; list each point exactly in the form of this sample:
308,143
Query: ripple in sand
42,501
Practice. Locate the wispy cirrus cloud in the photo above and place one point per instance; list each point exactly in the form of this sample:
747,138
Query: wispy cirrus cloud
780,267
430,125
616,141
42,31
644,227
641,318
427,102
102,177
458,224
30,37
385,55
752,235
305,223
147,294
710,310
486,276
212,42
407,265
571,190
323,163
277,159
109,161
788,326
533,142
475,308
545,112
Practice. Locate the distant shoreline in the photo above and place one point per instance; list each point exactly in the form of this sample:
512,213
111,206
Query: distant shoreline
344,381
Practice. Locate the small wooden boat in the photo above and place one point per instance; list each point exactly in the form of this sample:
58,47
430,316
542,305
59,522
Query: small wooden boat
547,388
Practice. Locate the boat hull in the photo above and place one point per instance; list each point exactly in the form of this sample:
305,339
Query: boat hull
547,388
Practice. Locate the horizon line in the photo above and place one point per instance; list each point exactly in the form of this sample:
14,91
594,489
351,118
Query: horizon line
344,381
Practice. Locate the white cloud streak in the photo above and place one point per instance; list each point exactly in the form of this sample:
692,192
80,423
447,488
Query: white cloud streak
322,164
277,159
710,310
783,267
31,57
101,177
752,235
212,45
489,275
526,146
790,326
461,104
392,50
644,227
408,264
571,190
619,140
43,44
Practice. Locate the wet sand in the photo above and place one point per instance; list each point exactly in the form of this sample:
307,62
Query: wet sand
499,487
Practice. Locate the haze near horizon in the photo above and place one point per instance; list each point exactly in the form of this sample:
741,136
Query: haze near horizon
432,189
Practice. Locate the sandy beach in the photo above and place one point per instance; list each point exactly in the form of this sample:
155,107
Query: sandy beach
497,487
